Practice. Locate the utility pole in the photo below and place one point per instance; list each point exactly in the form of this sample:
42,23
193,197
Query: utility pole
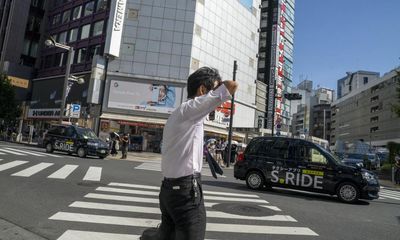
66,79
324,123
231,117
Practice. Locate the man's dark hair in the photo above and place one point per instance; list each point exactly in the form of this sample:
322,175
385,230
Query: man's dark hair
205,76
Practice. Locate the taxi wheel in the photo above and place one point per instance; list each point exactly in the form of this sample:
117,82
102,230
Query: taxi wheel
49,148
81,152
348,192
255,180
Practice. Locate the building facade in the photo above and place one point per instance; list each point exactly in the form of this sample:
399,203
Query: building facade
354,81
165,41
275,61
365,114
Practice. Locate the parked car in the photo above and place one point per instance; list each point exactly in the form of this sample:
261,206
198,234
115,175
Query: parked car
304,165
368,160
73,139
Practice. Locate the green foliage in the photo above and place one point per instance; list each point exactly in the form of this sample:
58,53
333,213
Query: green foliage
9,109
386,167
394,149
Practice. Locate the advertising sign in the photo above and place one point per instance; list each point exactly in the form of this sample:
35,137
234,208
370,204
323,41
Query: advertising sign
75,111
114,27
44,113
144,97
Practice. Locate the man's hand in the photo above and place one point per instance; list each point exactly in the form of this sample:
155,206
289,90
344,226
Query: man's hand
231,86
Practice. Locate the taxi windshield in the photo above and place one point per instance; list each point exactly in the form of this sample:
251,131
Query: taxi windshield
333,156
86,133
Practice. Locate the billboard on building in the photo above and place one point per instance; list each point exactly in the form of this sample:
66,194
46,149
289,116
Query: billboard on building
144,97
115,27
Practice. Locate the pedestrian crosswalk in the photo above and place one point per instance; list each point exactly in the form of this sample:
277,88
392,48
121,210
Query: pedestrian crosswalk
93,173
26,152
156,166
389,194
136,206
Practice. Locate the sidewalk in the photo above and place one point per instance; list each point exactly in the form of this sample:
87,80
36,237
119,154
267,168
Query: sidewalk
389,184
138,156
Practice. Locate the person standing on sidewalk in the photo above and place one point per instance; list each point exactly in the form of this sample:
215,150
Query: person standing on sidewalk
397,169
124,146
181,196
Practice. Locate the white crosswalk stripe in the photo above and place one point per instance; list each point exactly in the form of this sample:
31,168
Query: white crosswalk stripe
32,170
156,166
389,194
12,152
26,152
63,172
135,195
1,153
12,164
93,174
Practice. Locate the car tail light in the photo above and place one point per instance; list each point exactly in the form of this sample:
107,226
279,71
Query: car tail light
240,157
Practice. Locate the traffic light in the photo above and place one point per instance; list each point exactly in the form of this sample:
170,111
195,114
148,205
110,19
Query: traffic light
260,123
292,96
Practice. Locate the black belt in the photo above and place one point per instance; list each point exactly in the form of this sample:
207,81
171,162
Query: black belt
181,182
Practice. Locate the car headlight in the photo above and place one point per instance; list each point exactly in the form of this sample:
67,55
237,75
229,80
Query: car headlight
369,177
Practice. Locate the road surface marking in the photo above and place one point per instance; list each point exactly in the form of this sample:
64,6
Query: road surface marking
157,167
211,227
205,192
26,152
233,199
93,174
210,213
32,170
12,152
63,172
390,196
12,164
272,208
1,153
121,198
86,235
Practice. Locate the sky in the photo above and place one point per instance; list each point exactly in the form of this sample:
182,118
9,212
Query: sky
333,37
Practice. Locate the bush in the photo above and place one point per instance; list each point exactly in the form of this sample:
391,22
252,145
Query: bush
387,167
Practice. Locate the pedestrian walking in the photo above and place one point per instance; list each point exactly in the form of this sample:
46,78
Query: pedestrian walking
397,169
218,153
124,145
183,215
114,145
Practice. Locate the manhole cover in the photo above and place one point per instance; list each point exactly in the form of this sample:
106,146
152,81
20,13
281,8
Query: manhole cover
243,209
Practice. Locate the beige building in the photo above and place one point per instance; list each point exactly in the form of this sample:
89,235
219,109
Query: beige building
366,113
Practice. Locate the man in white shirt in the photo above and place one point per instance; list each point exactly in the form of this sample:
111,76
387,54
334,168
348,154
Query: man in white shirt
181,196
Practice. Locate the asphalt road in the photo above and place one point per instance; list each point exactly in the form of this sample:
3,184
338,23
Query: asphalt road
57,196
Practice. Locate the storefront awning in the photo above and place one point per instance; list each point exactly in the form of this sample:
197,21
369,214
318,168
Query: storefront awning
133,118
222,131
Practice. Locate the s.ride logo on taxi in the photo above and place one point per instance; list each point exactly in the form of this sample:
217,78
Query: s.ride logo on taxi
297,177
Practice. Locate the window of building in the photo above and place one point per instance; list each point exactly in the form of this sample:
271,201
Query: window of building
81,55
77,12
375,98
373,129
56,19
89,8
62,38
73,35
365,80
66,16
27,45
34,48
101,5
98,28
374,88
374,119
374,109
94,50
85,31
197,30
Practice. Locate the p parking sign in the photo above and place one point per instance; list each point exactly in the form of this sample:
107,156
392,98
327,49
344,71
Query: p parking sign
75,111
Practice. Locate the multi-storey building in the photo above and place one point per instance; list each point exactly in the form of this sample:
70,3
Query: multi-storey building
276,61
162,43
354,81
366,113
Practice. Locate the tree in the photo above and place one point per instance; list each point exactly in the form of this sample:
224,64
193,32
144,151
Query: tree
9,108
396,107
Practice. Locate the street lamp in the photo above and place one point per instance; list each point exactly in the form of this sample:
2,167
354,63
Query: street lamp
51,42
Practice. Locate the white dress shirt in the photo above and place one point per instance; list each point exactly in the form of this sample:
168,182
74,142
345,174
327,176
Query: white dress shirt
183,137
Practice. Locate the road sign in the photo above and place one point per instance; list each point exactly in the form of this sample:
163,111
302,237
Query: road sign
75,111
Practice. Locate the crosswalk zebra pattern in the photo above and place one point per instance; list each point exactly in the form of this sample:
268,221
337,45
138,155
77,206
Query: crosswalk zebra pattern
156,166
26,152
105,204
93,173
385,193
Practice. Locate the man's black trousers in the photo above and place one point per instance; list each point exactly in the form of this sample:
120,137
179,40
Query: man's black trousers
182,208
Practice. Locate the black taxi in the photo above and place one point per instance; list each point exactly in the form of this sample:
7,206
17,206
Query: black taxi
302,165
74,139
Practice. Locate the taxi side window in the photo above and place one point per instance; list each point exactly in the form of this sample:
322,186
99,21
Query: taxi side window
61,131
275,149
317,157
253,147
70,132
